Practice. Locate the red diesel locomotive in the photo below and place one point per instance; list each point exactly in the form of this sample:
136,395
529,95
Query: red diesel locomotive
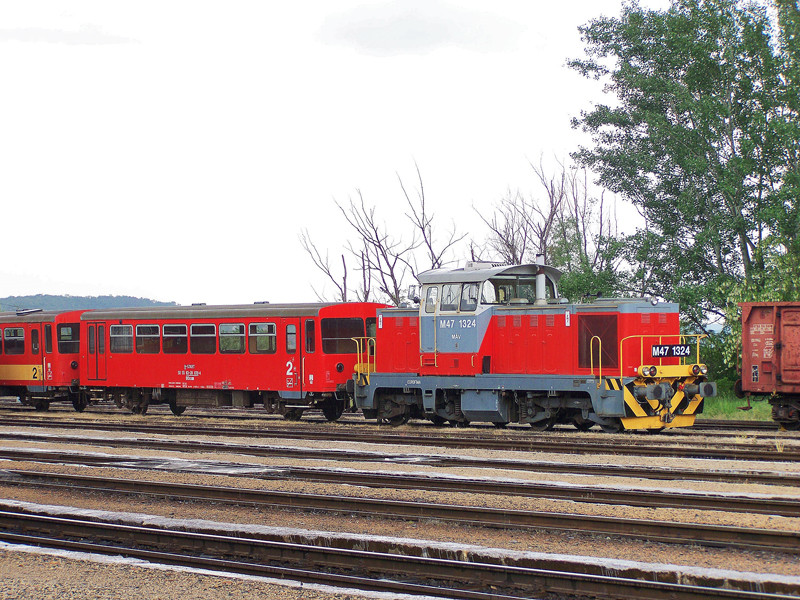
39,354
290,357
496,343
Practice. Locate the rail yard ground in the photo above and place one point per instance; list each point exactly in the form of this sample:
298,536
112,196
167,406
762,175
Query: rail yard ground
38,573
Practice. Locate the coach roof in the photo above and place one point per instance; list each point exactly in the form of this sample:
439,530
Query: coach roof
476,272
207,312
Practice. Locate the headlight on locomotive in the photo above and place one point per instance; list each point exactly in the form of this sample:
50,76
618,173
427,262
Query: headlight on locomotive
648,371
699,370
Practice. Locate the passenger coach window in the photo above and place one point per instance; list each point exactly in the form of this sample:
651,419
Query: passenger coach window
263,338
48,338
34,341
175,339
69,338
148,339
121,338
310,333
14,338
203,339
337,335
231,338
291,339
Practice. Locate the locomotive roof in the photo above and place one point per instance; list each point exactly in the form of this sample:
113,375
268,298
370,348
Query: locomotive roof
471,273
207,312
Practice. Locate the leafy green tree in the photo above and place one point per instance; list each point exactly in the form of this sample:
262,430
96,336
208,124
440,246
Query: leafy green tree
701,137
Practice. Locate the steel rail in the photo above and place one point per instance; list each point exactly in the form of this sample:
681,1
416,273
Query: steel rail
738,476
399,565
669,532
764,452
769,505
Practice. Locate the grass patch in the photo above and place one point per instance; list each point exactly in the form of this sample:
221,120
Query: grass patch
727,407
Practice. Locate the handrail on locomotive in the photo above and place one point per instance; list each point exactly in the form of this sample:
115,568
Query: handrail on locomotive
365,350
664,368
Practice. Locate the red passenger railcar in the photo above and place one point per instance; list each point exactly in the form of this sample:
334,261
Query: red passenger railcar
39,357
290,357
771,357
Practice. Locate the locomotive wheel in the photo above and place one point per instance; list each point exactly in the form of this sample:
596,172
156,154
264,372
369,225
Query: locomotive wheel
177,410
437,420
582,425
791,426
332,409
545,424
612,426
396,420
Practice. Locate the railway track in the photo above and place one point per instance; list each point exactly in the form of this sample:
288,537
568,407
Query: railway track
661,531
749,450
762,504
739,476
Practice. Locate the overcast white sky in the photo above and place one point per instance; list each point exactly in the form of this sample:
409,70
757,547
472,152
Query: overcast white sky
175,149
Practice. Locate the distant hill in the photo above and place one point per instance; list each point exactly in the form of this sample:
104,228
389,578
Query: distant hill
50,302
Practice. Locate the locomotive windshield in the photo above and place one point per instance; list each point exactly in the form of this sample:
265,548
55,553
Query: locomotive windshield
502,290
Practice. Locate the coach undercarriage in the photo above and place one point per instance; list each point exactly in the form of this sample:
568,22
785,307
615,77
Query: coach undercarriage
138,400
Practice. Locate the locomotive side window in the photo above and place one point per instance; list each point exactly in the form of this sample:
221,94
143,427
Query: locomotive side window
148,339
14,340
175,339
337,334
310,333
431,298
121,338
69,337
231,338
263,338
605,328
203,339
451,294
291,339
48,338
469,297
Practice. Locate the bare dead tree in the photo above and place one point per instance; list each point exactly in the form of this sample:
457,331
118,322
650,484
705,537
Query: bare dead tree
510,229
422,221
323,264
520,226
386,258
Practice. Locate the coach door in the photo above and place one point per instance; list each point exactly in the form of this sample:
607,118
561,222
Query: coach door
294,356
37,350
96,344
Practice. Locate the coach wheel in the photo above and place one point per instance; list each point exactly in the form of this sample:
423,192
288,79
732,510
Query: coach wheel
332,409
41,405
437,420
545,424
293,414
791,425
176,410
79,401
612,426
500,425
463,423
